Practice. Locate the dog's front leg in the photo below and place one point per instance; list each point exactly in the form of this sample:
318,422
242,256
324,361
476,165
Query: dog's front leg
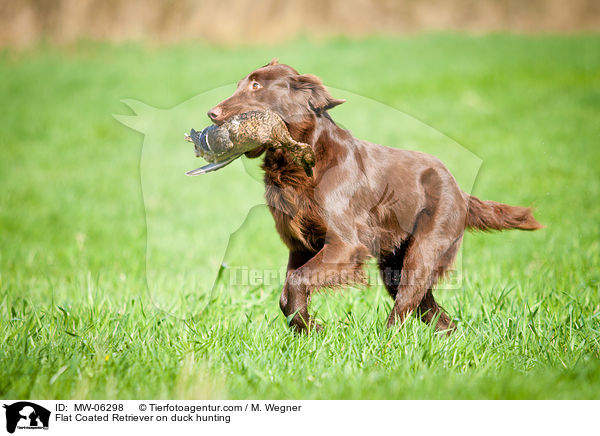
336,264
296,259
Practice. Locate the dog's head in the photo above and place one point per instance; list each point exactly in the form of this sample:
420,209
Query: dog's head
297,98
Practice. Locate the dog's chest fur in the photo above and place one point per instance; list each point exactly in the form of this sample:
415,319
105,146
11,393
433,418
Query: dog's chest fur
290,196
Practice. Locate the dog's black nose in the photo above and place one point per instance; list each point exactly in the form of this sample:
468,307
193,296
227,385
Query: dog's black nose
214,113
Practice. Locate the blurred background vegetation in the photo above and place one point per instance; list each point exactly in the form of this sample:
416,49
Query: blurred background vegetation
270,21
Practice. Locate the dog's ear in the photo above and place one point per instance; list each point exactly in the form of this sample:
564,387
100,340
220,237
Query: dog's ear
274,61
319,99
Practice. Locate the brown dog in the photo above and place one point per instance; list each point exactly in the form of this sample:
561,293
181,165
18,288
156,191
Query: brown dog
402,207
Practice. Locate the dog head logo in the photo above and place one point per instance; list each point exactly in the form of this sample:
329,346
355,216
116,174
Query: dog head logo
223,213
26,415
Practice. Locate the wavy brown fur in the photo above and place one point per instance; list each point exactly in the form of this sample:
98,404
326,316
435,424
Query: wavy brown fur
491,215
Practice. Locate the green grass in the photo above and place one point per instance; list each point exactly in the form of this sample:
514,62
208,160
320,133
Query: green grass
80,319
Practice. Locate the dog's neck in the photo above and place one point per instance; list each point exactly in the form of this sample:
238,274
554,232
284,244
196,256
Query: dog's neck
319,131
328,140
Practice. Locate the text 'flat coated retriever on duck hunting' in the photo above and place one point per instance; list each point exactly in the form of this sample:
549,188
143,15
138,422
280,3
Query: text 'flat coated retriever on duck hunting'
402,207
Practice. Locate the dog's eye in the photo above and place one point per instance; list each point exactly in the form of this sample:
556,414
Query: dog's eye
255,85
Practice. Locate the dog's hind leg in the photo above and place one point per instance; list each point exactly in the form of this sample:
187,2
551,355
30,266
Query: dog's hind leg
429,254
428,309
436,235
390,267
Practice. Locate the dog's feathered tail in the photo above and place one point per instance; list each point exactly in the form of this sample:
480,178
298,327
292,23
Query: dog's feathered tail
490,215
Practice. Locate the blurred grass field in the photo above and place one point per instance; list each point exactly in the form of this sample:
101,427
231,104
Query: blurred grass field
77,319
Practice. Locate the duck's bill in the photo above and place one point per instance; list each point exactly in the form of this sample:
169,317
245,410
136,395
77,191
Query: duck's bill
212,166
